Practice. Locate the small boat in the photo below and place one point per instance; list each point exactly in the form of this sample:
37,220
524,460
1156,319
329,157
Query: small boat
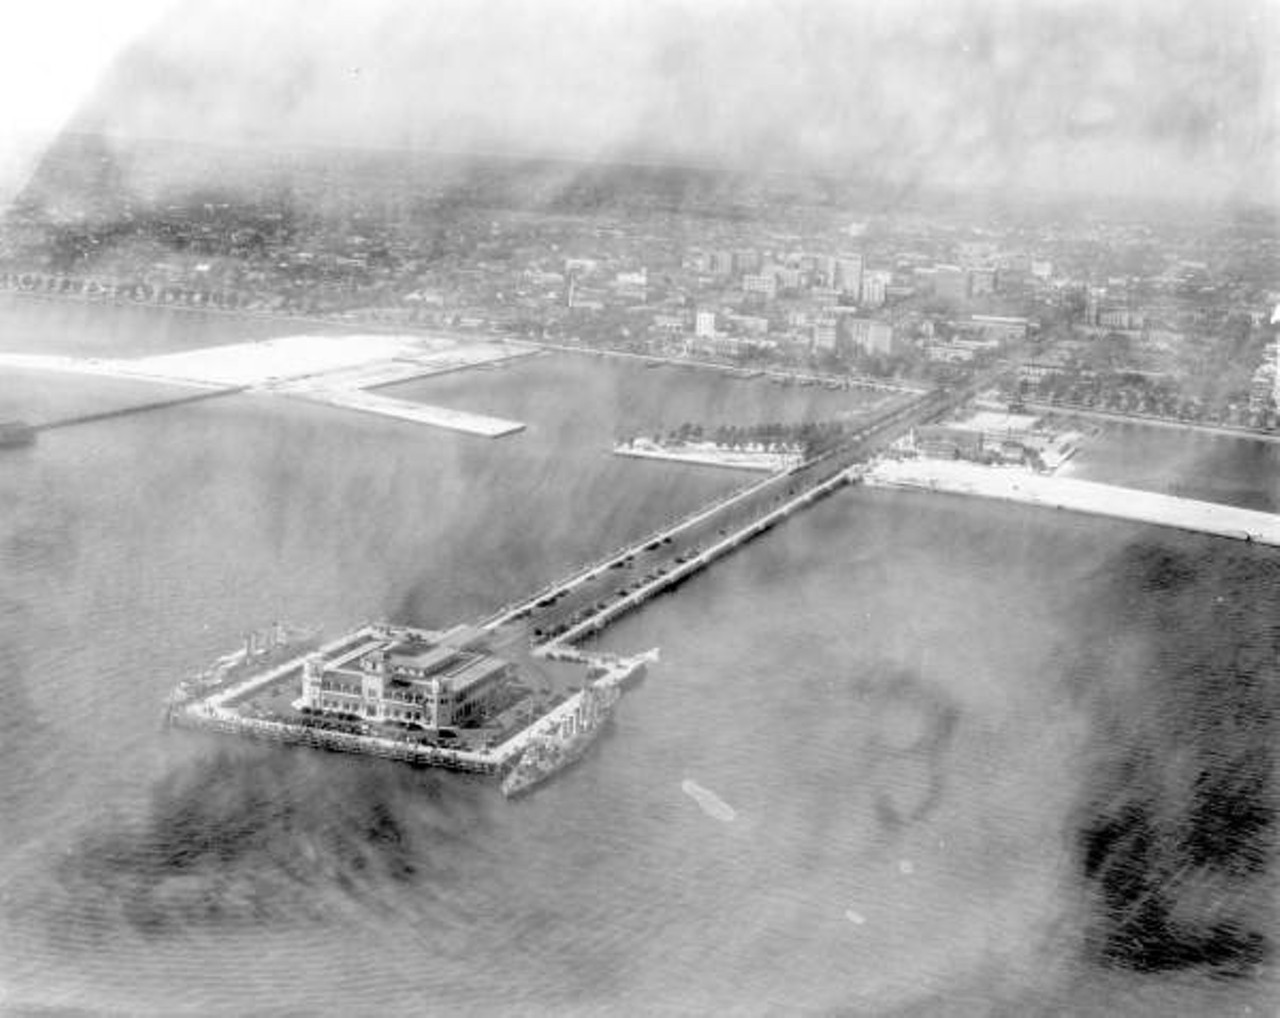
14,434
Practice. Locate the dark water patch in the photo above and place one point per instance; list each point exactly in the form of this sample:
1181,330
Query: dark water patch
1178,659
264,839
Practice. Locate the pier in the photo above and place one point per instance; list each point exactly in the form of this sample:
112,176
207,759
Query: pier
595,594
546,625
137,408
635,598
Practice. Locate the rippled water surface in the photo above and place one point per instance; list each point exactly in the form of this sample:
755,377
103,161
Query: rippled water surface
951,757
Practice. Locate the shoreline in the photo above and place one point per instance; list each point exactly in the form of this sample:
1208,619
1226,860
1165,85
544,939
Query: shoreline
957,477
1125,417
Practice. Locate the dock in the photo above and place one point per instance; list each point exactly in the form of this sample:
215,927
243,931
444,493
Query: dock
417,413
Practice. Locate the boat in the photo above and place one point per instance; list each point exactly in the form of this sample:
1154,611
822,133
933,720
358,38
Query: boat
16,433
562,740
262,649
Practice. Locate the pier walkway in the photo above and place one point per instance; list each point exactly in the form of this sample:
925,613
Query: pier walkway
699,561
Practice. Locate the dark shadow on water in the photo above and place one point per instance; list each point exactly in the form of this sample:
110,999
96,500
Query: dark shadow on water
270,837
1178,843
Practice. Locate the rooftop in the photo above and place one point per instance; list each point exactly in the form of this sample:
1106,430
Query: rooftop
427,659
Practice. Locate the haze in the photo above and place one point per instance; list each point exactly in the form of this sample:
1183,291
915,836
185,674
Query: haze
1164,99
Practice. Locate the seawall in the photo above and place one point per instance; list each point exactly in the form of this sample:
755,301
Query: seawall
958,477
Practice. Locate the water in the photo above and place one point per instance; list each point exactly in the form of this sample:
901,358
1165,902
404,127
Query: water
1190,464
976,727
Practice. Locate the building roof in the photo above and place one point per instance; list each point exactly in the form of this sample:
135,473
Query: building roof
426,659
478,671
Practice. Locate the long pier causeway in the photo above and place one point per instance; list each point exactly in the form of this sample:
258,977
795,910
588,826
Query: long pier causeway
594,595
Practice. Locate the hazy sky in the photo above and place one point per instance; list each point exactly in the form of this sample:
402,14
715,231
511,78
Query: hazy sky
1126,96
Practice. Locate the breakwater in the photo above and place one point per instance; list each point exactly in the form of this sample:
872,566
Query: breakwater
137,408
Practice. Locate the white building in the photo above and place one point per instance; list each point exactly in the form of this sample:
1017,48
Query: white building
433,680
870,335
875,284
848,275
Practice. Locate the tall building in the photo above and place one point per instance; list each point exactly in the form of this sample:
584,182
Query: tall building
720,263
824,334
764,283
1275,391
951,282
704,324
875,284
848,275
789,277
869,335
1093,303
746,260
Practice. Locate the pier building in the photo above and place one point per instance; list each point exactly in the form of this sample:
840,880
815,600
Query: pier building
416,677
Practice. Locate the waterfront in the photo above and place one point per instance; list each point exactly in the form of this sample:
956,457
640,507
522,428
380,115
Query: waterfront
895,697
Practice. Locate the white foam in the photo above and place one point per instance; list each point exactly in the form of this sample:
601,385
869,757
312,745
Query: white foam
710,803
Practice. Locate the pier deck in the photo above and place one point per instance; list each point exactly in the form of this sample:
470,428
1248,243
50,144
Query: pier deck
217,712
